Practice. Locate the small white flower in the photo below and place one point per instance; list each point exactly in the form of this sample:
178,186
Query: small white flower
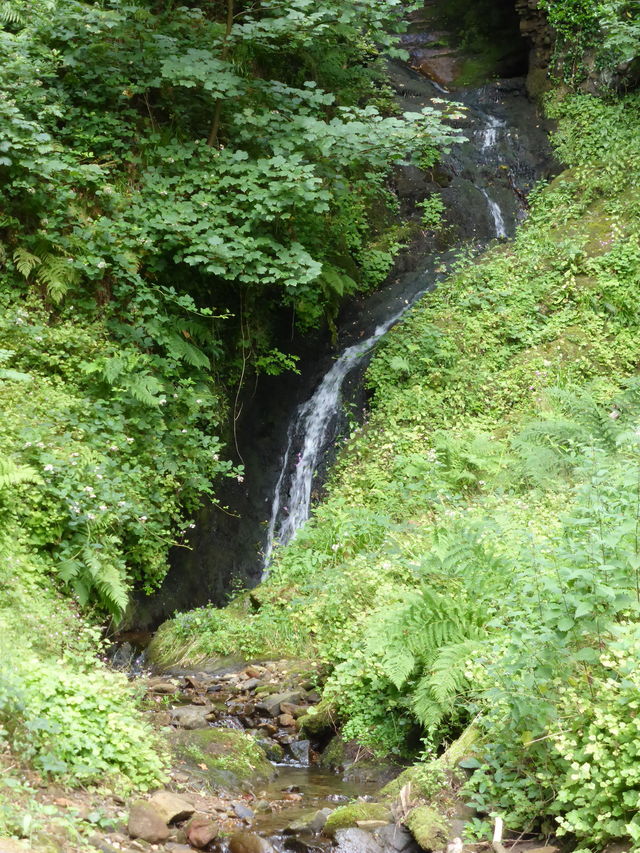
142,518
90,515
101,265
48,467
103,507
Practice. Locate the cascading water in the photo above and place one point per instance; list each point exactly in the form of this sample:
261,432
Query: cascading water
489,134
496,215
313,422
311,428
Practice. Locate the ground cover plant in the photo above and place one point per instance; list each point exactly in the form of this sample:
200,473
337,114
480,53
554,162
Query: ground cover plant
477,556
177,184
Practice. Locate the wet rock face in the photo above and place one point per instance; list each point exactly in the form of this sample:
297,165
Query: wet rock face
541,39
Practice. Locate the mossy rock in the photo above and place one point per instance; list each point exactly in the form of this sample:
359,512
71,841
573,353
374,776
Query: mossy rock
232,758
429,828
317,721
346,817
418,775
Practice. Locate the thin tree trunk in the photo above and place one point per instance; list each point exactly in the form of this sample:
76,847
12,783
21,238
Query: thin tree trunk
215,123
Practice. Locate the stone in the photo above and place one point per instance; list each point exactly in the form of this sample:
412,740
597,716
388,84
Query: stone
313,822
254,671
271,704
176,847
250,684
395,838
164,687
272,750
286,720
146,823
294,710
356,841
242,811
190,717
300,751
249,842
316,721
201,831
171,806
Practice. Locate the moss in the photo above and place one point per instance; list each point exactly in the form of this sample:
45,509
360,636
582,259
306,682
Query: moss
429,828
423,777
349,816
318,720
232,758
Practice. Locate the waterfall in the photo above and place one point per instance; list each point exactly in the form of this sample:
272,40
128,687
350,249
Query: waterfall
496,215
489,134
312,428
313,421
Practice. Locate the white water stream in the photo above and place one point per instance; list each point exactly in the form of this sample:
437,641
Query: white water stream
496,215
314,420
311,426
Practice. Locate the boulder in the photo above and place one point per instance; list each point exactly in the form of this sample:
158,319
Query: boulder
147,823
312,822
201,831
395,838
171,807
271,704
293,710
300,751
356,841
249,842
190,717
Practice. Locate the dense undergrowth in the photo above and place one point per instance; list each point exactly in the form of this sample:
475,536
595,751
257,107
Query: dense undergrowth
178,183
478,555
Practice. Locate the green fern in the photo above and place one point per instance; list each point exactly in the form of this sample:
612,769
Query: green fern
12,474
56,275
144,388
10,15
25,261
100,573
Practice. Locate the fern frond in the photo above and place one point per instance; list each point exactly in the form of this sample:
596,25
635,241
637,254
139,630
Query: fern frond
144,388
447,676
57,275
180,349
25,262
9,14
12,474
102,575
